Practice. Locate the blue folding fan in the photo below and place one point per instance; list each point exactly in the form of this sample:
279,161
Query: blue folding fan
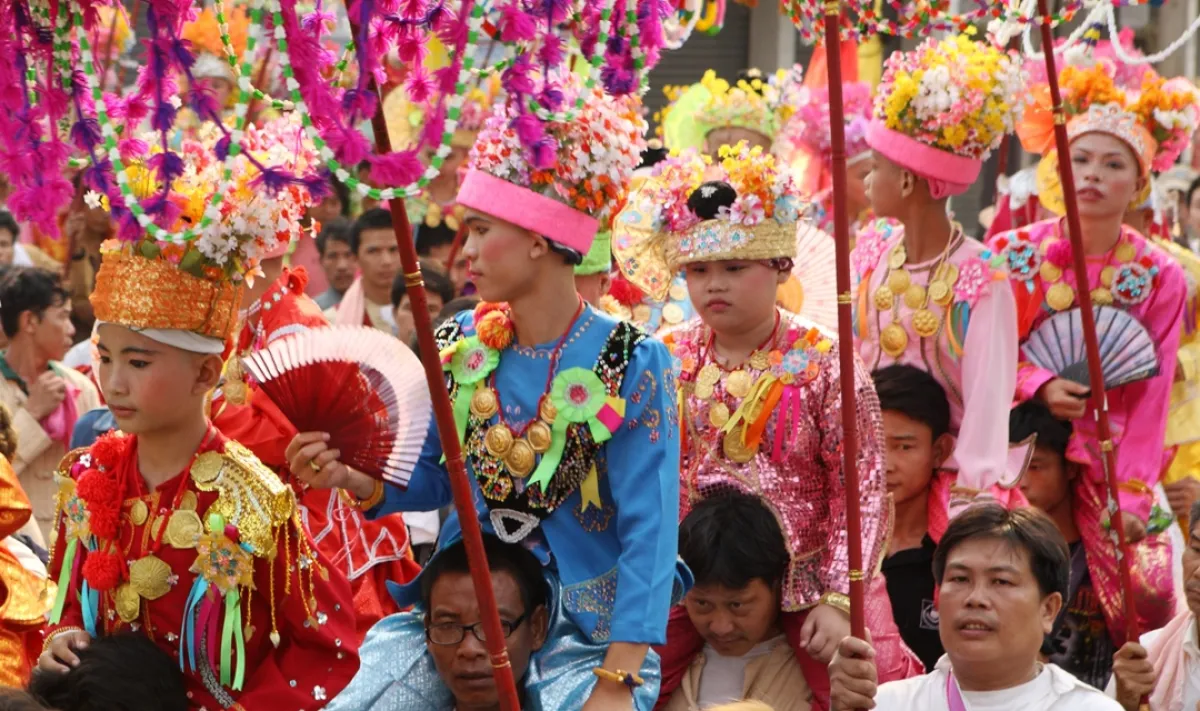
1127,352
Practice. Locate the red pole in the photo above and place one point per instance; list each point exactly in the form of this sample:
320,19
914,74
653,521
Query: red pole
841,232
443,412
1098,396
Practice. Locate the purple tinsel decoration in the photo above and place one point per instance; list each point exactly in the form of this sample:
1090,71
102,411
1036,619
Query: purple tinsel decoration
86,134
168,164
273,179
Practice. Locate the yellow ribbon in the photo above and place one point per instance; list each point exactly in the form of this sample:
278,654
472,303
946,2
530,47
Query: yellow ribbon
750,403
589,491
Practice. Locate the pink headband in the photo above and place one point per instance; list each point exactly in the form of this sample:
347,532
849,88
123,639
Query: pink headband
947,174
525,208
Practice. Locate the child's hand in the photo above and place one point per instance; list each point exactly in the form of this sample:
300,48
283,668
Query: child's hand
312,461
1066,399
824,628
60,653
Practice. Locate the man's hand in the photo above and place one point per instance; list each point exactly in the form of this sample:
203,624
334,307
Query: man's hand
823,629
1134,674
45,395
609,696
1135,528
1066,399
853,679
1182,494
60,653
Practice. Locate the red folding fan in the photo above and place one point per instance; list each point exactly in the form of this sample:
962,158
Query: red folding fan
362,386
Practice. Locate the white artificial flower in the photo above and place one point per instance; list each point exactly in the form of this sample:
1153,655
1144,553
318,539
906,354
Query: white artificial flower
93,199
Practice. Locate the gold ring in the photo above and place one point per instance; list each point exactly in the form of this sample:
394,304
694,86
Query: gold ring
313,463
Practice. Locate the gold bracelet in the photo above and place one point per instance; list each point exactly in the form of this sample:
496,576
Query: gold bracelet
836,599
620,676
56,633
368,503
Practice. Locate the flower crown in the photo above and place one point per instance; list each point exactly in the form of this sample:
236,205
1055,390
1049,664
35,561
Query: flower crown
956,95
809,127
657,233
753,103
590,158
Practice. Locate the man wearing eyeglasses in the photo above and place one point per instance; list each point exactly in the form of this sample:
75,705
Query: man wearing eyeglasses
396,673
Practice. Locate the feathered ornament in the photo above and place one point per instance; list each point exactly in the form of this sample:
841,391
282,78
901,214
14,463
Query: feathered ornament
362,386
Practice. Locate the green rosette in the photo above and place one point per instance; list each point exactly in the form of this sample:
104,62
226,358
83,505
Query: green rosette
578,394
471,363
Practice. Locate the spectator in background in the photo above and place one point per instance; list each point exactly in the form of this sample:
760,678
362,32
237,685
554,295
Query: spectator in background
438,292
14,253
736,550
368,300
125,672
307,254
337,262
8,237
365,204
86,224
1191,238
45,398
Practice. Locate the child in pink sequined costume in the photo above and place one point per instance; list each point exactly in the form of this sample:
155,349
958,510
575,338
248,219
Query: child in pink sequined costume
1115,142
760,399
926,295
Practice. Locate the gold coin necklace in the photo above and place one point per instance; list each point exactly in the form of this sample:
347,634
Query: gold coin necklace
1060,295
519,450
898,286
149,575
738,383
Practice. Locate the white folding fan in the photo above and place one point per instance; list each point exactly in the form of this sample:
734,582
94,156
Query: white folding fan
1127,352
361,385
816,271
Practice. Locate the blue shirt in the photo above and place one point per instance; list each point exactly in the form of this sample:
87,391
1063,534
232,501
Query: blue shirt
617,563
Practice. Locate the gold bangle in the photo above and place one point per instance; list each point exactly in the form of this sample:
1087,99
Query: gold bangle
56,633
368,503
837,600
620,676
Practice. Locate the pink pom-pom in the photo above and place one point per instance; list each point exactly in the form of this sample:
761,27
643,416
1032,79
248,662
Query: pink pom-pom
350,146
515,24
398,168
529,129
1059,254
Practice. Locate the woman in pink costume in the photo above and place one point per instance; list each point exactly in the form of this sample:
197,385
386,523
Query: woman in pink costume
1115,143
926,295
760,400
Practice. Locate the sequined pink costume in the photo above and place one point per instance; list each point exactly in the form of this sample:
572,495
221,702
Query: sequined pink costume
973,353
1154,290
797,471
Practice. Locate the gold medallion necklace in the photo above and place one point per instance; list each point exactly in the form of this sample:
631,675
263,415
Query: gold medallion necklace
898,284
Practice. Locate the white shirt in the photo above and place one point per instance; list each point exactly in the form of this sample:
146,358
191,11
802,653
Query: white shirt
1053,690
1191,665
724,678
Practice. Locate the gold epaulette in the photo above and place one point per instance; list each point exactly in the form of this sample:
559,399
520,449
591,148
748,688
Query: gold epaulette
250,496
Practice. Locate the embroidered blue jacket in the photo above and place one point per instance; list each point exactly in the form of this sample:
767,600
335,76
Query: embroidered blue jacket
618,561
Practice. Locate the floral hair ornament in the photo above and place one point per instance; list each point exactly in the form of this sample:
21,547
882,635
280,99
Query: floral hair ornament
753,102
657,233
808,135
942,108
590,159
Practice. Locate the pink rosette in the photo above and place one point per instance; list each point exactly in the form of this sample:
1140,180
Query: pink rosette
973,277
872,242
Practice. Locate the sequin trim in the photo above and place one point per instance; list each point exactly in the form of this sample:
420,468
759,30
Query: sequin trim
596,596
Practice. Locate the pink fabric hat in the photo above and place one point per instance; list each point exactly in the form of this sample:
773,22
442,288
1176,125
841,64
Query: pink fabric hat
948,174
527,209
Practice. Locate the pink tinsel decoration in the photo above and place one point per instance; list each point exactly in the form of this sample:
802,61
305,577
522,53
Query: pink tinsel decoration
396,168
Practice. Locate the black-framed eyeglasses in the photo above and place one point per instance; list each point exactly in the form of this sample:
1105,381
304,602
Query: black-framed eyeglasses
448,633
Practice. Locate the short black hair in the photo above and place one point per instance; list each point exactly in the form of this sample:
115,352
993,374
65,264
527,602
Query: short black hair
374,219
914,393
733,540
8,222
337,230
1024,528
124,672
457,305
343,194
435,280
1192,189
28,289
429,237
511,558
1034,418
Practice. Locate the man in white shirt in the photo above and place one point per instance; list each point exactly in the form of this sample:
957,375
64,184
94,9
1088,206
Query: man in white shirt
1002,576
1165,666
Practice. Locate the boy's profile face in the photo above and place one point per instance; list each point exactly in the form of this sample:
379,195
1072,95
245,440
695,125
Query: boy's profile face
1047,480
733,621
912,455
148,384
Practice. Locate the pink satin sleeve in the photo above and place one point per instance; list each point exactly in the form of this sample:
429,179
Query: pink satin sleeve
1140,453
989,379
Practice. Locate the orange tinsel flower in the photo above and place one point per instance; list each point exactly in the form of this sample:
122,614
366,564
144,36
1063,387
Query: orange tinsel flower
495,330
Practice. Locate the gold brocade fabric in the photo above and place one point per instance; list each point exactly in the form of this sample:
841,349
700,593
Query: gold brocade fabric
153,293
15,508
1183,422
240,479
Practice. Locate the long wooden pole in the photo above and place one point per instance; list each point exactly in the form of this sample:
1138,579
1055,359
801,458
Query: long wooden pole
1098,396
443,412
841,233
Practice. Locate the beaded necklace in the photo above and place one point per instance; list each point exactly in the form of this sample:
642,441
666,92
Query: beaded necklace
898,282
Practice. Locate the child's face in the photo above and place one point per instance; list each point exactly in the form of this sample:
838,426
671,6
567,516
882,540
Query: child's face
148,385
912,455
405,323
734,621
1047,481
732,296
